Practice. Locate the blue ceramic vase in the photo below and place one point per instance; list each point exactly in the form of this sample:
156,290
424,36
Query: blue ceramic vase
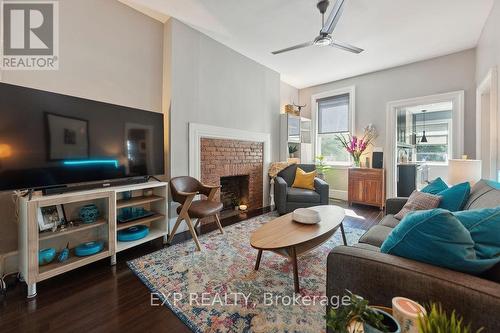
89,213
46,256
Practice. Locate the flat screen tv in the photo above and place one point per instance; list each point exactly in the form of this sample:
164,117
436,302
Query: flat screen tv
49,140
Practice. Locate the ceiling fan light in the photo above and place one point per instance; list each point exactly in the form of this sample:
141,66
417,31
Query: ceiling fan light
323,41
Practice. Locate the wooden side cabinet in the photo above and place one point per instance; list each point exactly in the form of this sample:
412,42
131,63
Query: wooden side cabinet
367,187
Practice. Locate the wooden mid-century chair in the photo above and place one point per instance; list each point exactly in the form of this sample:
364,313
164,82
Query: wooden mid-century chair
184,189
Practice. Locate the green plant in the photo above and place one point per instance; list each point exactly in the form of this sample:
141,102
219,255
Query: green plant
321,165
357,312
437,321
292,149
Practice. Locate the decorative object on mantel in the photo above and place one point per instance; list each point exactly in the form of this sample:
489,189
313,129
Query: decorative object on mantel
355,146
89,213
243,207
321,167
306,216
289,108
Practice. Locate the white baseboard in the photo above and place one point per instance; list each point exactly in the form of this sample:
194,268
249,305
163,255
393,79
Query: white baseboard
337,194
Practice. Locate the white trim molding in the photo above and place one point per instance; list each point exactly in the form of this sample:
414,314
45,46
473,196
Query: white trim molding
199,131
338,194
351,90
390,160
489,85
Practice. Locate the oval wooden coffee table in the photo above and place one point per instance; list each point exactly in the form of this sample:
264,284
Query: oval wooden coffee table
291,239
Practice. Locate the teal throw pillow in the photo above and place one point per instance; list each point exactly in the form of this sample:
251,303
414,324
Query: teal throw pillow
436,186
484,227
455,197
438,238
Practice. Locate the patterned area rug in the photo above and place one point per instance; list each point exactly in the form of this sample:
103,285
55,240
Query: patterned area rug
217,290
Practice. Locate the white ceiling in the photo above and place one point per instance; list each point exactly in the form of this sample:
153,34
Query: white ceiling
392,32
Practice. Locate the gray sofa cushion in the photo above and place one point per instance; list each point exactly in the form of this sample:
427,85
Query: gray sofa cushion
483,195
302,195
389,221
376,235
367,247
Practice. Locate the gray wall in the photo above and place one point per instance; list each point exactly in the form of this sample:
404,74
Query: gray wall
214,85
373,91
108,52
288,95
488,48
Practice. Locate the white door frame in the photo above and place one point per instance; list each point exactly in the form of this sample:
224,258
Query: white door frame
457,98
488,85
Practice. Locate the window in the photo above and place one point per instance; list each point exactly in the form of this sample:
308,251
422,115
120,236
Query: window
438,128
333,119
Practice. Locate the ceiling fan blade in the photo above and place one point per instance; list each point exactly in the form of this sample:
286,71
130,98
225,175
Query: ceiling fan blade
291,48
346,47
333,18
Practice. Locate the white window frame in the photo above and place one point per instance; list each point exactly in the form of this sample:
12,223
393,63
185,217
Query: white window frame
390,158
351,91
450,139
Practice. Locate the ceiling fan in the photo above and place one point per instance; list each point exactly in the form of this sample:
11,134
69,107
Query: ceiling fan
325,35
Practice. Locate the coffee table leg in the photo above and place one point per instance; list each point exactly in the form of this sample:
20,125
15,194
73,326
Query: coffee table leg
343,233
259,256
293,254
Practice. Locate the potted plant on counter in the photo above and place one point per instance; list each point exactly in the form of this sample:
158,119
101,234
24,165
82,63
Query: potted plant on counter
358,316
292,149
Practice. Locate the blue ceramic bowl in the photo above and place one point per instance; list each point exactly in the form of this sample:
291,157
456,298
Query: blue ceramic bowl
133,233
46,256
88,249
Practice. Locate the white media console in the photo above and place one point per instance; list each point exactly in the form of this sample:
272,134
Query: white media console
151,195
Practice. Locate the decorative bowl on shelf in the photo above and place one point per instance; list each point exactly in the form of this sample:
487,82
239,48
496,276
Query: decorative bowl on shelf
133,233
306,216
89,213
46,256
88,248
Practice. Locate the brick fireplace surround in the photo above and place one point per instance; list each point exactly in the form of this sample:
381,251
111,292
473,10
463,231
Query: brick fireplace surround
225,157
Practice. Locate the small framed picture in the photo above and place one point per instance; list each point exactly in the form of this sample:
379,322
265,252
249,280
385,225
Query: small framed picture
50,217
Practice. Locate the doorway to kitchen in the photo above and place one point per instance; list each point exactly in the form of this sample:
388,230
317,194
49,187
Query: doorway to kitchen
422,134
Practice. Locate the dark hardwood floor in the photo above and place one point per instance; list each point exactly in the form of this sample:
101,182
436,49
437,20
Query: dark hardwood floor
104,298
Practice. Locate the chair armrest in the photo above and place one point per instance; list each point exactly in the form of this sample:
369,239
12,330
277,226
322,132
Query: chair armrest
379,277
187,194
280,191
394,205
323,189
209,190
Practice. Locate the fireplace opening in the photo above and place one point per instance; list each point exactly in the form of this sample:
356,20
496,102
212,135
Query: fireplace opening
234,191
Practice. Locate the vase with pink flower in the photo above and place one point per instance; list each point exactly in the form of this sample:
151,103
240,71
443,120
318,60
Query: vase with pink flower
356,146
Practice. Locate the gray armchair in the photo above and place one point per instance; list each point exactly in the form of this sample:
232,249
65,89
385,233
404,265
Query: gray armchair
288,198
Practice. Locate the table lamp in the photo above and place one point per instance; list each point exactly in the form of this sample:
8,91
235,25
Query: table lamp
464,170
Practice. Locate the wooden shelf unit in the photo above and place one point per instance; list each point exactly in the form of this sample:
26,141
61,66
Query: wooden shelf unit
138,201
109,201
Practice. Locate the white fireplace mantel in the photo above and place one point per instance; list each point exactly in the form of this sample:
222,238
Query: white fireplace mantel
199,131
